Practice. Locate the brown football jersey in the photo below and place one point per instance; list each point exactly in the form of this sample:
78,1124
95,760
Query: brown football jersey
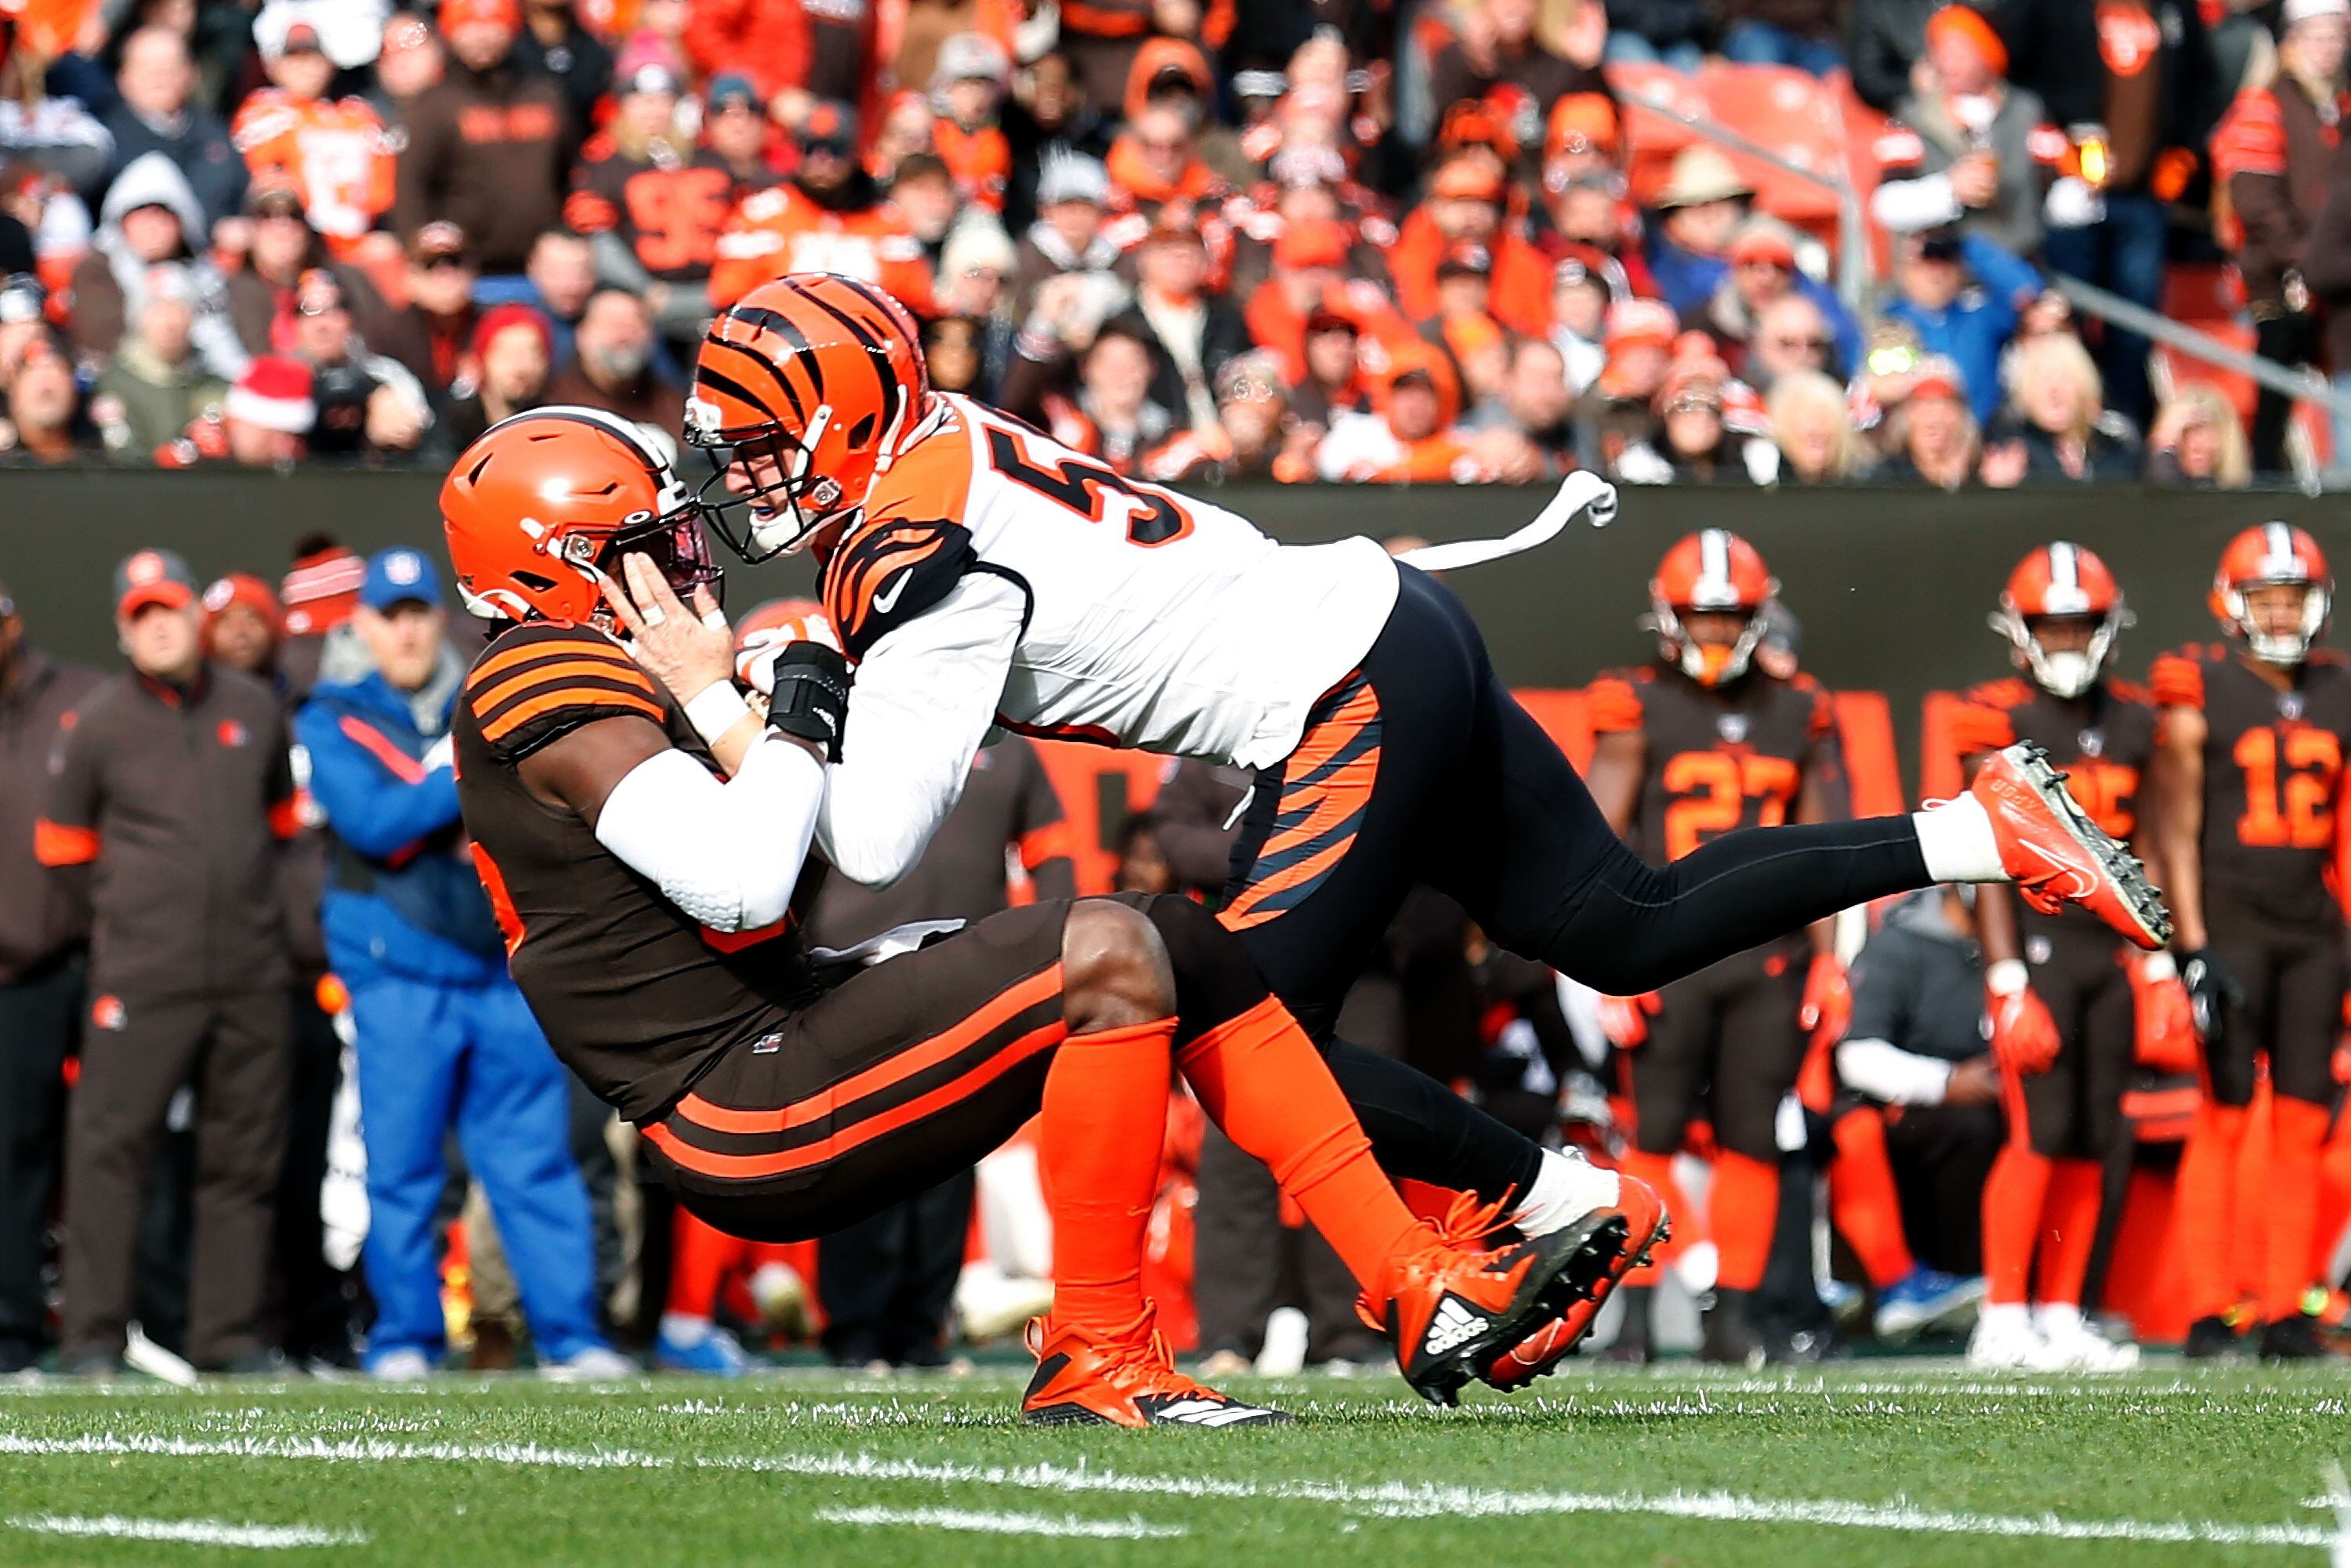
2273,776
2104,743
1720,758
636,995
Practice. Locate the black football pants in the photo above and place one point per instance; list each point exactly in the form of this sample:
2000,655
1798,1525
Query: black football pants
1421,767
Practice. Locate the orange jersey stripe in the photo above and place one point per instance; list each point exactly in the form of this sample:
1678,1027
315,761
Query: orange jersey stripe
542,647
523,712
55,844
752,1166
1006,1005
624,672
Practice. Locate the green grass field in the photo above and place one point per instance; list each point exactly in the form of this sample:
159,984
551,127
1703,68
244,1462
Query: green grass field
1880,1463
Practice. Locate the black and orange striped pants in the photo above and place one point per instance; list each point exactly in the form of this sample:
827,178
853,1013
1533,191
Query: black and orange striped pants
1422,768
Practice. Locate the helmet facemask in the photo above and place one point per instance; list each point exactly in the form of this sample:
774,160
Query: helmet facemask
765,518
2279,647
2068,674
1708,664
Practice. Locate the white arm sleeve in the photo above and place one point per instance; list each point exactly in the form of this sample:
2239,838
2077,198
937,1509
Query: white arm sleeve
728,854
1886,1071
925,697
1905,206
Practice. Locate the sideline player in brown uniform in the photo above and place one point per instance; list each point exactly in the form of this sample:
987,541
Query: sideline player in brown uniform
648,860
2250,779
2065,995
1700,744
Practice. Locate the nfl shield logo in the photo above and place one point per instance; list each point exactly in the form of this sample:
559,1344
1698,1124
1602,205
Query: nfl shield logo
2290,705
1732,727
2092,741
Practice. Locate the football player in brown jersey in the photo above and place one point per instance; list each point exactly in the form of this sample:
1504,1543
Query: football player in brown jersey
2249,777
644,839
2068,1000
1701,743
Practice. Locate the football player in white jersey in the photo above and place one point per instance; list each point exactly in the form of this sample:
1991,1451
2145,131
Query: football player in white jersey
983,577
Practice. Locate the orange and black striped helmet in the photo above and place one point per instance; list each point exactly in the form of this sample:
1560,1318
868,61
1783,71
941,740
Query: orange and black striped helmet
802,394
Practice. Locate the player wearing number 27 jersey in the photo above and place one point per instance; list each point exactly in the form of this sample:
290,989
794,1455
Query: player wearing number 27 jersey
985,577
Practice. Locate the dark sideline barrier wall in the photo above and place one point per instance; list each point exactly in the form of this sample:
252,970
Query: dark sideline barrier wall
1892,586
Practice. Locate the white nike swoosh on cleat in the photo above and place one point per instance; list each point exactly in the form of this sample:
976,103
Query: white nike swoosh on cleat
2082,883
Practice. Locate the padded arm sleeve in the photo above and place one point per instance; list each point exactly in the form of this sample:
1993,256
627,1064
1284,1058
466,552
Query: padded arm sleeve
925,698
726,854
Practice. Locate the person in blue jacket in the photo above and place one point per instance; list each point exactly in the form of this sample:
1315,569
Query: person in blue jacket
444,1037
1965,294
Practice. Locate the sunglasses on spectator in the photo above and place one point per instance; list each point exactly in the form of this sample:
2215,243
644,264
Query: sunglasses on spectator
1811,345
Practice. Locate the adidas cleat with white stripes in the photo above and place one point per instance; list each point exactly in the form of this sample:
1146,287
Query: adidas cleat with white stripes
1125,1377
1449,1308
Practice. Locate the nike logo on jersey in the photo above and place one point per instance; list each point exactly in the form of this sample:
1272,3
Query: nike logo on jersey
887,599
1454,1326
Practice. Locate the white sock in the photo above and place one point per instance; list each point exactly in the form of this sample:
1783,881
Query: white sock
2057,1319
2005,1317
683,1327
1957,840
1565,1189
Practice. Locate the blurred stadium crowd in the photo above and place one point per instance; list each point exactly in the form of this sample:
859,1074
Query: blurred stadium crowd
1335,239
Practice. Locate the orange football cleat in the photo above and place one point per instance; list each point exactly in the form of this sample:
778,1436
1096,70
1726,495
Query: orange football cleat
1447,1307
1127,1378
2057,855
1646,1225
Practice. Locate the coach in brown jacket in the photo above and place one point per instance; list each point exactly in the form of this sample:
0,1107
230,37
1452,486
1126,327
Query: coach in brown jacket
166,812
41,935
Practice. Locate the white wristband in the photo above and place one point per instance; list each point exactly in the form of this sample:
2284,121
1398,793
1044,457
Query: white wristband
716,710
2006,978
2157,967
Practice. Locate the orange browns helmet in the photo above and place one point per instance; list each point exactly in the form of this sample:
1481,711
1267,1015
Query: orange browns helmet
2060,579
1713,569
2269,555
803,392
539,511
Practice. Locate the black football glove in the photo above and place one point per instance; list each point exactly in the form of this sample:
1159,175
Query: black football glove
810,699
2211,992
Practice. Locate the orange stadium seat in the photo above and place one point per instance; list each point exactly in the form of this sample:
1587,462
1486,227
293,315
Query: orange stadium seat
1654,139
1795,115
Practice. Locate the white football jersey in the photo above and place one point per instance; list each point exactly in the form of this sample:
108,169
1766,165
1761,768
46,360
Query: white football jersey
1154,621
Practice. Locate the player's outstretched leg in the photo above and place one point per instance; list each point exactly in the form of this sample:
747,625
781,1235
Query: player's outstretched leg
1103,1121
1446,1305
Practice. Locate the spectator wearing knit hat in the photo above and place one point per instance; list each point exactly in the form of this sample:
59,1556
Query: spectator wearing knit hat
1967,146
1073,200
489,145
506,371
268,413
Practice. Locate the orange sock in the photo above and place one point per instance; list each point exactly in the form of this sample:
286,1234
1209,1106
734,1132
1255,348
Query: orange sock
700,1255
1690,1227
2300,1132
1746,1211
1863,1205
2207,1202
2013,1202
1261,1079
2334,1204
2069,1214
1103,1122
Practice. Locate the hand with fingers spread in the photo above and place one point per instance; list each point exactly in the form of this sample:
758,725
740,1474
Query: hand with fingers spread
688,651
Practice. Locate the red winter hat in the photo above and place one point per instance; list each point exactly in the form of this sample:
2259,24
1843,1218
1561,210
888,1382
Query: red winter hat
513,313
244,587
274,393
322,590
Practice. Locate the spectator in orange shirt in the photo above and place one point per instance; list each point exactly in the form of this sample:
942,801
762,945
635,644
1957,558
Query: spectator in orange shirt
766,40
335,149
1156,163
967,94
1465,205
826,218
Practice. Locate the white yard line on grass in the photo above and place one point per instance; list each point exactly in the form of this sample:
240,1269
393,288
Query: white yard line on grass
1390,1500
188,1532
1128,1529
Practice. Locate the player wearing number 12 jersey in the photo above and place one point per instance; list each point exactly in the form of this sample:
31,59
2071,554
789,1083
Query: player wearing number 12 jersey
2255,731
984,576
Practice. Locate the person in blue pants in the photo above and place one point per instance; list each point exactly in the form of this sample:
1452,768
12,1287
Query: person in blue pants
444,1037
